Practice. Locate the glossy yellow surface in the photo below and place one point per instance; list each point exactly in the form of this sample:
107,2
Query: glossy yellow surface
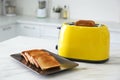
86,43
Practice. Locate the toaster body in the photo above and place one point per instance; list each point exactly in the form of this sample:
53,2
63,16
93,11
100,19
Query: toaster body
82,43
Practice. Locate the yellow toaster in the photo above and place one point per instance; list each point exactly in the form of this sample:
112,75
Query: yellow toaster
83,43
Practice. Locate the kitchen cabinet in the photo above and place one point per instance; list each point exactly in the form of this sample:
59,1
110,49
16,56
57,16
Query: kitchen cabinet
7,31
31,30
115,36
49,31
38,30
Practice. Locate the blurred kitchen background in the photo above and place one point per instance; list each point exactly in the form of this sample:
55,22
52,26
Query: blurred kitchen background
103,10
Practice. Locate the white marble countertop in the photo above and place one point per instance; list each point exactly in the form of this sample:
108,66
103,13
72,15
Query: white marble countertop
113,26
7,20
30,20
10,69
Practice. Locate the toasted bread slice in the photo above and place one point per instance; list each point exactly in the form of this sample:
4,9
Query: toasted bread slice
28,55
47,61
40,58
25,57
36,55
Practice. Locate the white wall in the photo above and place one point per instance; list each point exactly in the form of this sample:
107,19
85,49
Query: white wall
27,7
104,10
108,10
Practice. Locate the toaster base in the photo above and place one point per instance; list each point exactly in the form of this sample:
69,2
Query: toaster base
88,61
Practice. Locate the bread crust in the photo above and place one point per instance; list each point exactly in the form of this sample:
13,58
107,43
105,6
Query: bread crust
40,58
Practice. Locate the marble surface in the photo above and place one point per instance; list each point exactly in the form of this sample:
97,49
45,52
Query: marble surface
30,20
10,69
5,20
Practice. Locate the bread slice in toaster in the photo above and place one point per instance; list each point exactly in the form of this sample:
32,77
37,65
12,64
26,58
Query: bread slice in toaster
89,23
